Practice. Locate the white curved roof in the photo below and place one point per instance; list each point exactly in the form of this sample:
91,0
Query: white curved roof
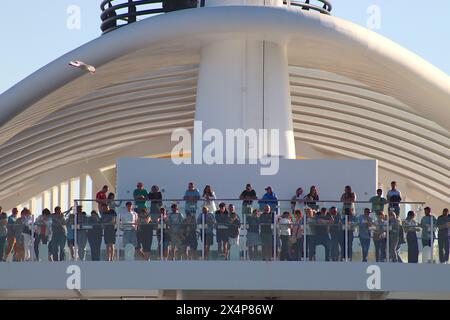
369,97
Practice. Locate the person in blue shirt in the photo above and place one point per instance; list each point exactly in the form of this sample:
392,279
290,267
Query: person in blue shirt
364,223
270,199
191,196
428,225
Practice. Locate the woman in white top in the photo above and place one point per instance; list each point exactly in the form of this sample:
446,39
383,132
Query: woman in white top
285,233
209,196
298,201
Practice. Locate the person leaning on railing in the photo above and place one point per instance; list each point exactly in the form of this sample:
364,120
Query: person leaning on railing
189,237
443,223
266,220
285,234
248,195
322,222
209,196
253,234
175,220
296,238
380,237
3,232
42,232
310,234
11,233
59,234
428,225
108,219
128,225
394,235
411,228
155,196
82,232
348,199
222,221
95,233
364,224
207,221
378,202
233,233
165,241
335,234
311,198
145,232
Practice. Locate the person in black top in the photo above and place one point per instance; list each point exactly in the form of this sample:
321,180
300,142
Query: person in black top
189,237
322,236
311,198
146,233
266,221
95,233
233,233
155,196
248,195
222,220
108,220
443,223
411,228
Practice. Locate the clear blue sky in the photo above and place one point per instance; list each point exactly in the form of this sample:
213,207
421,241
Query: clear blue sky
33,33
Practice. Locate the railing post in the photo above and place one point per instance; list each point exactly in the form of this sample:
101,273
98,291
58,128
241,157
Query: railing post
388,248
161,246
203,236
304,236
274,236
346,236
432,239
32,253
75,230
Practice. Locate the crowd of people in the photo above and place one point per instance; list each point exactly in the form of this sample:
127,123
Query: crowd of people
268,231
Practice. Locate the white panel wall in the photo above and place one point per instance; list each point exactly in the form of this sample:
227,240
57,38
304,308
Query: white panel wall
330,176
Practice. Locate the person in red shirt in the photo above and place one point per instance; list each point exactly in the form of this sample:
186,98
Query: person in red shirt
101,197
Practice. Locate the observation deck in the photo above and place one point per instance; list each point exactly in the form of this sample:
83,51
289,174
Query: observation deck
119,13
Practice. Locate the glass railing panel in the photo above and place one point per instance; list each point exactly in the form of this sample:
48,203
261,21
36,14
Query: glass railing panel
175,230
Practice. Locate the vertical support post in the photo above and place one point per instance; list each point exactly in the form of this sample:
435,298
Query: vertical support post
161,247
274,221
32,238
69,194
244,218
203,236
60,195
432,238
388,251
304,236
75,231
346,237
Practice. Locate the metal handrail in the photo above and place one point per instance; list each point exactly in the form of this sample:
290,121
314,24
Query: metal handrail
255,200
306,5
110,18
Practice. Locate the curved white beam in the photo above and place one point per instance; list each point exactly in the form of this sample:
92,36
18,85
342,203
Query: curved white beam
363,55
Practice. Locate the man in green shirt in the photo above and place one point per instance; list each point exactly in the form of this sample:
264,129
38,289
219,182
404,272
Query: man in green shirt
378,202
140,196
